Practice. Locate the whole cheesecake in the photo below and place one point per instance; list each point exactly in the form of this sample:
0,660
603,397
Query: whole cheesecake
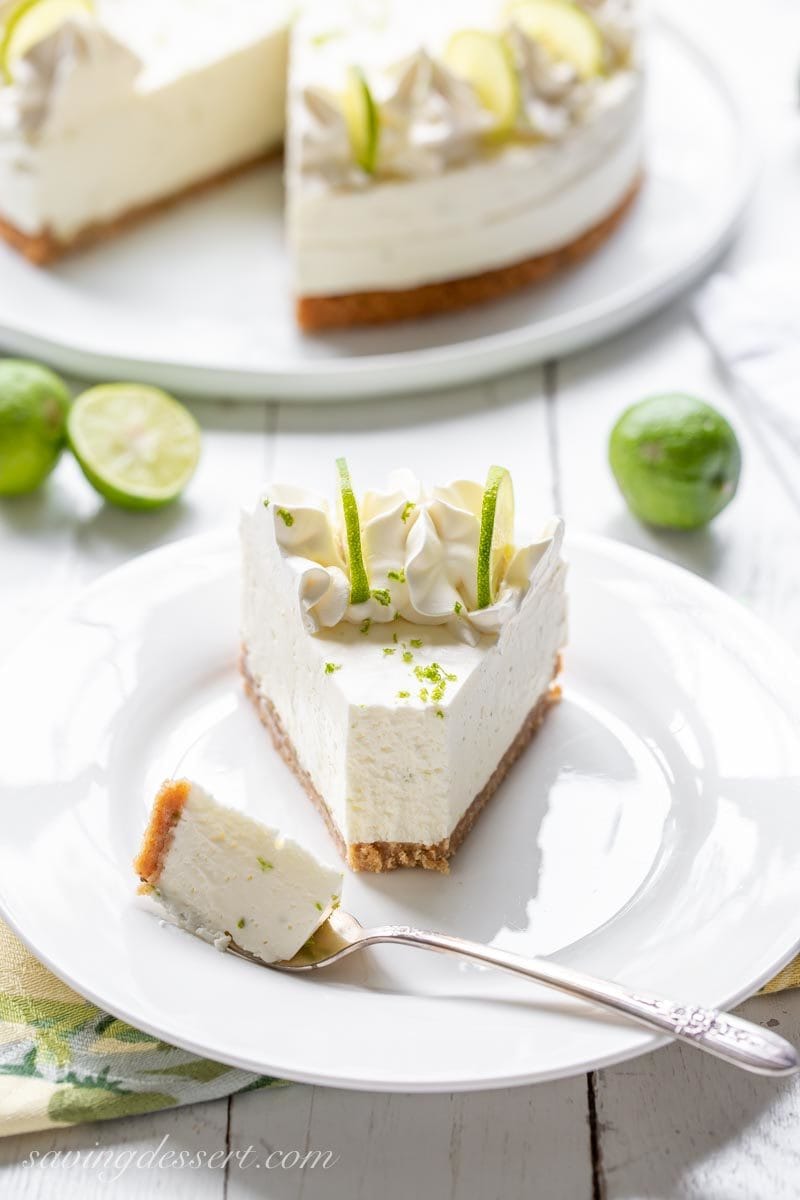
438,155
402,649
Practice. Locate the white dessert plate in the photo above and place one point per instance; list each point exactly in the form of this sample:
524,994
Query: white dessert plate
650,834
198,299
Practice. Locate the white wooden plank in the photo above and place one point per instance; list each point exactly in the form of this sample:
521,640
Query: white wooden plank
445,437
677,1125
132,1144
505,1145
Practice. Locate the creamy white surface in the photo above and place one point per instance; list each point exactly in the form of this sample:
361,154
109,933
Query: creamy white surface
160,96
445,203
212,878
393,769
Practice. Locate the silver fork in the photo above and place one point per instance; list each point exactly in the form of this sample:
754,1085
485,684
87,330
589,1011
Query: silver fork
741,1043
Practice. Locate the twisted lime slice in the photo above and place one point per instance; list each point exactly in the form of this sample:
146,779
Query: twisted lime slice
28,22
137,446
566,31
359,580
485,61
496,539
362,119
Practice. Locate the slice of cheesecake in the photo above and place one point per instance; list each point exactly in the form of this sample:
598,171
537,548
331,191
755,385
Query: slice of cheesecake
400,708
228,878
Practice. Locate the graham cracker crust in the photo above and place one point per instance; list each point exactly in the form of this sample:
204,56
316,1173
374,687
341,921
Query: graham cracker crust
44,248
388,856
315,313
167,809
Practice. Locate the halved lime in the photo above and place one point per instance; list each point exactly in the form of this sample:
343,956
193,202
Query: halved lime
137,446
496,539
485,61
566,31
28,22
362,118
359,580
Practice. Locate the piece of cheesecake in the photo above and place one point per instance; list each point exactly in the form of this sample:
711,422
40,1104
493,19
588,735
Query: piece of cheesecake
227,878
401,713
442,154
121,110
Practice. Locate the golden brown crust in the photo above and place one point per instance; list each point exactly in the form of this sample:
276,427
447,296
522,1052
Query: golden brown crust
388,856
45,247
378,308
167,809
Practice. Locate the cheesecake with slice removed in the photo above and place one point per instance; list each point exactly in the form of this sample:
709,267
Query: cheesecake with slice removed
226,877
402,647
437,154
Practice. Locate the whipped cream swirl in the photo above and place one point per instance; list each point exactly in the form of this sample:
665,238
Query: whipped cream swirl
420,551
73,73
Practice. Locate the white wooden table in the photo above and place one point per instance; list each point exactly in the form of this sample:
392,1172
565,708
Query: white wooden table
669,1125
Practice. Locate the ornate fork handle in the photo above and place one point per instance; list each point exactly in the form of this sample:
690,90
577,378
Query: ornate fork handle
724,1035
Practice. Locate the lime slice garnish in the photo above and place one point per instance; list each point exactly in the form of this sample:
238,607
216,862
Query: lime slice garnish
28,22
359,580
135,444
496,539
362,119
566,31
485,61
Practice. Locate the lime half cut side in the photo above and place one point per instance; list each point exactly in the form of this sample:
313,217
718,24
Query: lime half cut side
362,120
359,580
496,539
28,22
136,445
484,60
567,32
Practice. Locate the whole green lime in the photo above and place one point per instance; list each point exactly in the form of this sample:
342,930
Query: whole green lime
33,421
676,460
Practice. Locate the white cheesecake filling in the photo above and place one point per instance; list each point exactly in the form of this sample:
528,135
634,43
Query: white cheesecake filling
226,876
399,726
109,115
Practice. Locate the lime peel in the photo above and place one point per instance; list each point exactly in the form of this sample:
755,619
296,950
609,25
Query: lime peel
496,533
359,580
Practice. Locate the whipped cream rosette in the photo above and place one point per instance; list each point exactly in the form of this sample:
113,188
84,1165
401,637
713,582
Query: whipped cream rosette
420,550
